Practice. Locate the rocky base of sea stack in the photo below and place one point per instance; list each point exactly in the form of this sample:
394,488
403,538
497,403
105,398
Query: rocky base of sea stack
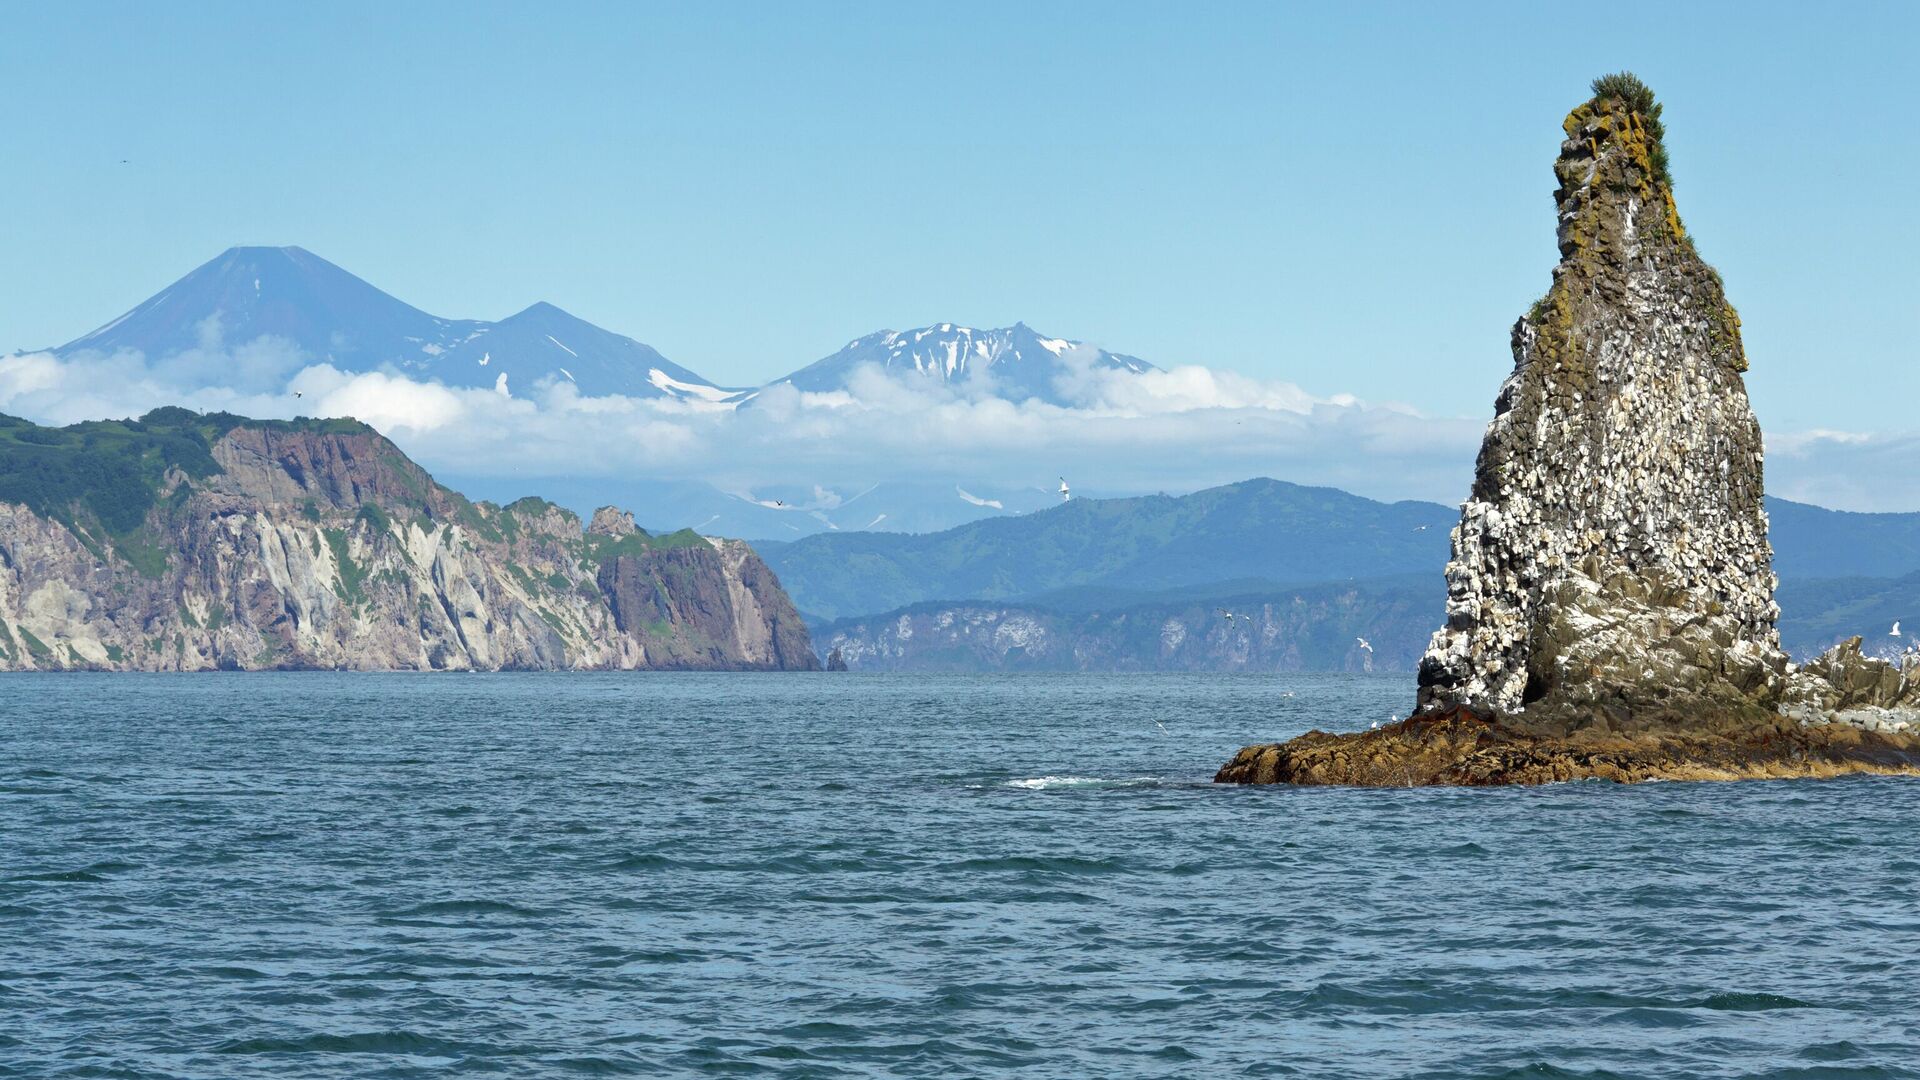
1462,748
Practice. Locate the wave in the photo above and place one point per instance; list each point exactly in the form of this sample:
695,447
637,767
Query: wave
371,1042
469,907
1056,783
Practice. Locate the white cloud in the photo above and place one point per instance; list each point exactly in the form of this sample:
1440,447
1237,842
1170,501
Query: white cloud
1846,470
1174,430
1085,383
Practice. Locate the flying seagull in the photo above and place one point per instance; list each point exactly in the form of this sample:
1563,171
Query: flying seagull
1895,632
1364,643
1065,493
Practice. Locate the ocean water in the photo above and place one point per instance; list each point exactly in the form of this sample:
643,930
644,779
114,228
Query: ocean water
826,876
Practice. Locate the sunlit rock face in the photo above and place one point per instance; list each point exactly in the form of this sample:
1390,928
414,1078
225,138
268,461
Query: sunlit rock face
318,544
1610,607
1613,554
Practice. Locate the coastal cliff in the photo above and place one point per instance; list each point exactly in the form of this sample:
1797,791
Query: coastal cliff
182,542
1610,604
1363,626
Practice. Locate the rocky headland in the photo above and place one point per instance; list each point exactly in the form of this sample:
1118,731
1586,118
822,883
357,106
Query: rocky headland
1610,609
182,542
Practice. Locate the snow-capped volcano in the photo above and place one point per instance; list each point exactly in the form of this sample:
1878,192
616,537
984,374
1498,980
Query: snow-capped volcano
250,304
546,342
1017,362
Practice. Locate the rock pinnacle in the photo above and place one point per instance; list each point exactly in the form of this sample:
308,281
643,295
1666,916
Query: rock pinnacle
1614,537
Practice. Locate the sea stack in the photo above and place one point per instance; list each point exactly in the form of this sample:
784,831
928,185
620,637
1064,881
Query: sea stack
1610,602
1615,523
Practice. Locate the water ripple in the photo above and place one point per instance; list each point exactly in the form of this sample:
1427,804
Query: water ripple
804,876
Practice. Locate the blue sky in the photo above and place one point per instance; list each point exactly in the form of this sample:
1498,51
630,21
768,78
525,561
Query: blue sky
1354,198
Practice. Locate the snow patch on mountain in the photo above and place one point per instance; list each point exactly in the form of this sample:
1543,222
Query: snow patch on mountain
976,500
1014,362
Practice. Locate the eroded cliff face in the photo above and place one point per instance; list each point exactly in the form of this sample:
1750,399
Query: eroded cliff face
322,546
1613,553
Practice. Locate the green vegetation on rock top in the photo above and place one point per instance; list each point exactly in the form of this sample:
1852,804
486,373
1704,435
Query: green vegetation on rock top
1626,88
110,469
110,472
600,549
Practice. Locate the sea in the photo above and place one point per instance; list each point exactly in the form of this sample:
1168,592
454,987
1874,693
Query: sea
847,875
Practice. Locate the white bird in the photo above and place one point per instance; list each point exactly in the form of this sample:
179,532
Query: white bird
1065,492
1420,528
1895,632
1375,726
1364,643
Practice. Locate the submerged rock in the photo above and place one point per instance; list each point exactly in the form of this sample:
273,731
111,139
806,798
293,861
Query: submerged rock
1611,571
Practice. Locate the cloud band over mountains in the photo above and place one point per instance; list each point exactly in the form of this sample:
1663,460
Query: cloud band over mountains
1116,431
1112,430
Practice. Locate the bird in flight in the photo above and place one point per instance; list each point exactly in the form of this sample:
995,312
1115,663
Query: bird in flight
1364,643
1895,632
1065,492
297,393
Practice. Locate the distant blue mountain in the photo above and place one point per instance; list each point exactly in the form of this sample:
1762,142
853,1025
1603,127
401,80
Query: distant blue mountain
1282,533
1015,361
292,296
769,512
1814,542
1287,536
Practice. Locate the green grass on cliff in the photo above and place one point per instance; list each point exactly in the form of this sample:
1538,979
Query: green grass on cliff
110,471
600,549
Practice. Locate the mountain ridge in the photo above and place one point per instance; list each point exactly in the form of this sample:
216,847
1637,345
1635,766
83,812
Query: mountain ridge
1284,532
292,297
268,309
